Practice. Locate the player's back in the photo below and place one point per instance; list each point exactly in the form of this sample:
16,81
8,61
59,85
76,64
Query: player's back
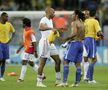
91,27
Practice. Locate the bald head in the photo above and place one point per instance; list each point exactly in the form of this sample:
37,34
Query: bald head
50,13
48,9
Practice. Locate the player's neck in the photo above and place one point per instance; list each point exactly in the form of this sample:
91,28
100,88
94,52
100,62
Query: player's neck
27,28
92,17
3,22
48,17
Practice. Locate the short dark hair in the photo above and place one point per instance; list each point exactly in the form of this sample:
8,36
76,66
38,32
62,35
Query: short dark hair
3,13
27,22
80,14
77,12
92,13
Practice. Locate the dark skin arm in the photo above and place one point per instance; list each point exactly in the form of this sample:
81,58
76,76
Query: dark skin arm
13,34
35,53
19,49
43,27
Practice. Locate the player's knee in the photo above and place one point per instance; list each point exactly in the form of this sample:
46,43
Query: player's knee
78,65
3,62
24,62
85,59
94,60
31,63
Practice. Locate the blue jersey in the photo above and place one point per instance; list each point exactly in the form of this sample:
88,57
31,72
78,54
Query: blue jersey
74,52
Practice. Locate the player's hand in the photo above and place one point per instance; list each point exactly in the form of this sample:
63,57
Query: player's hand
100,35
99,38
54,30
64,28
18,51
35,54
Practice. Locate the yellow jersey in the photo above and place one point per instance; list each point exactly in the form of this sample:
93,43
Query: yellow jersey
91,27
52,37
5,30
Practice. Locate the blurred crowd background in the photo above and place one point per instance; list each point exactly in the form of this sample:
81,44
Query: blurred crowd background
60,5
61,20
56,4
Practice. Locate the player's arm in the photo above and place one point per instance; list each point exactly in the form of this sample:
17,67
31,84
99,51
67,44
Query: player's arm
19,49
12,36
98,30
43,27
100,35
33,38
12,30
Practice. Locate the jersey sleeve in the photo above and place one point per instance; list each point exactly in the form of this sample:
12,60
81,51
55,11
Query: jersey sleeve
33,38
97,26
11,28
43,21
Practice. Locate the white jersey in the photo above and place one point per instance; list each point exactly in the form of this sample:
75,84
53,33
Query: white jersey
45,49
49,23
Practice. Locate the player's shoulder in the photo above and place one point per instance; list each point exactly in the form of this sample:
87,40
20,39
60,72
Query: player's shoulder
44,18
31,31
8,23
91,20
86,20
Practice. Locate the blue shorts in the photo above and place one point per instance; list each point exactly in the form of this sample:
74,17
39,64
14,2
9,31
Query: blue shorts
90,47
74,52
4,51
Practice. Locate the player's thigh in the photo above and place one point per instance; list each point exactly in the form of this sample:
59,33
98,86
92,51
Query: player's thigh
90,46
44,50
53,50
72,52
85,51
1,53
93,50
79,55
25,58
5,51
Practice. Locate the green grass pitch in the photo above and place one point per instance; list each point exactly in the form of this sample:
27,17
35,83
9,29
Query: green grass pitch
100,75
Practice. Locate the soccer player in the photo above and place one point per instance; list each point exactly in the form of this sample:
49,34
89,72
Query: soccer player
85,63
92,29
29,44
6,29
47,49
75,50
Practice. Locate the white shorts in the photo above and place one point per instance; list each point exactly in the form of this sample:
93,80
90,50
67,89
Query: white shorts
46,50
27,56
